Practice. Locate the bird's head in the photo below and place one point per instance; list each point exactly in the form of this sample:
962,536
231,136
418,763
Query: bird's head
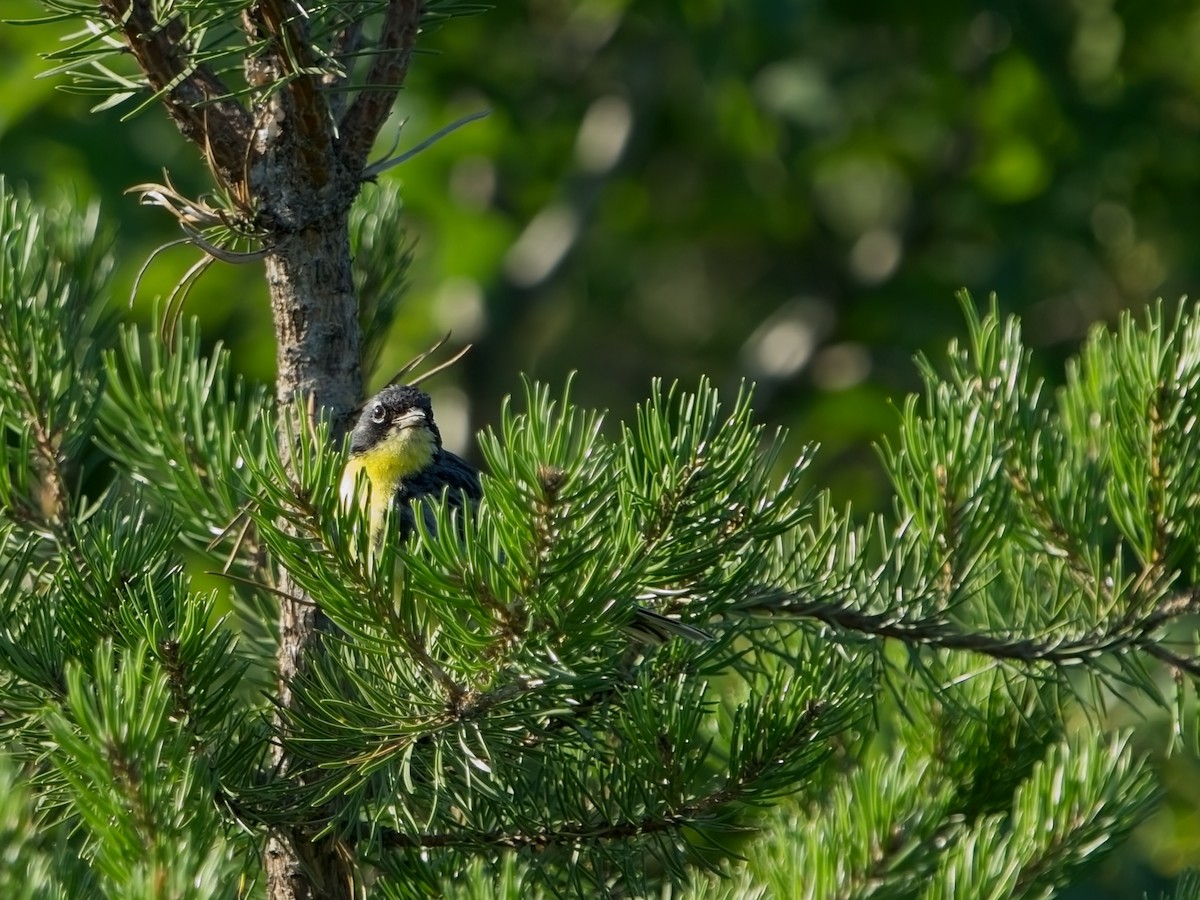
397,413
395,437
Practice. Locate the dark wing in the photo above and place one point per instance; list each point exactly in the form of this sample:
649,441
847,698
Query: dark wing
449,474
653,628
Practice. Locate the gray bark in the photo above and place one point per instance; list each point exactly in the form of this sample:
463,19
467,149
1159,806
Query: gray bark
294,163
317,348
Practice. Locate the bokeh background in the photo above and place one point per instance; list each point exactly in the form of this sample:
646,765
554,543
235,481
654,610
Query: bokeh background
787,191
779,190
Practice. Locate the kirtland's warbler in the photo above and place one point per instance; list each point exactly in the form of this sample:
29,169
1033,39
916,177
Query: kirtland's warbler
398,446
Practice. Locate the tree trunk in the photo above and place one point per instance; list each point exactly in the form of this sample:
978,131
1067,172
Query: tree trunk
317,339
295,161
316,317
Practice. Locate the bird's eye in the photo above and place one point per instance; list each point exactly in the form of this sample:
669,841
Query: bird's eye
378,414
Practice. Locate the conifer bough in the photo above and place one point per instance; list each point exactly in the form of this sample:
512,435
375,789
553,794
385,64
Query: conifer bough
898,688
902,690
285,100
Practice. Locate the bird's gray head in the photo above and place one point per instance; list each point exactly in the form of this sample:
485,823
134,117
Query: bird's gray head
396,407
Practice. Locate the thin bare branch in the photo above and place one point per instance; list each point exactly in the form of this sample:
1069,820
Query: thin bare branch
443,366
424,355
363,120
1138,635
419,358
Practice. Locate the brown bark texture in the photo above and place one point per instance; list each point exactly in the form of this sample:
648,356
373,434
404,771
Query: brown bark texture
294,153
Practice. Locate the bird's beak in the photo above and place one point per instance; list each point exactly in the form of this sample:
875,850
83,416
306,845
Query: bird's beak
413,418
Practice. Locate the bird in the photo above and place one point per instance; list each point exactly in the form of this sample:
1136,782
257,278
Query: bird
396,444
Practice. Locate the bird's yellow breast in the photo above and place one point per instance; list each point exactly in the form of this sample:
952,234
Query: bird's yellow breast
403,453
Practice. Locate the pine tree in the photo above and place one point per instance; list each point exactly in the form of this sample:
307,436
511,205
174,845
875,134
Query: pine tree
911,705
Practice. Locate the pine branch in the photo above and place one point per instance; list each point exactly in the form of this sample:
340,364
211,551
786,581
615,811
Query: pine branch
55,511
362,122
342,48
694,814
567,834
307,517
478,700
937,632
195,97
291,62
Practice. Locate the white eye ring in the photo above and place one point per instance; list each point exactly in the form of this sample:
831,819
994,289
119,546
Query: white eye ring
378,414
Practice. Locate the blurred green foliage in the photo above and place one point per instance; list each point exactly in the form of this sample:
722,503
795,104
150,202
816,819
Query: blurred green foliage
786,190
